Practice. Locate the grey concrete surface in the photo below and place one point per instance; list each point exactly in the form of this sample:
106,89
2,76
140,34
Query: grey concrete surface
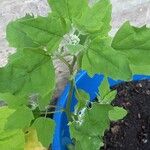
136,11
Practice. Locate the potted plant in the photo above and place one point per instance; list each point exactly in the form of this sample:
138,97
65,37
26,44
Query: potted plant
27,82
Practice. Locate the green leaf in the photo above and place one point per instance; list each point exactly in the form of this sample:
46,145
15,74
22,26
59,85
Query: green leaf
82,98
44,31
91,126
105,60
45,130
104,88
134,42
21,118
12,140
12,100
32,141
117,113
95,19
88,143
68,8
87,19
106,95
29,72
5,112
142,69
17,37
109,97
98,118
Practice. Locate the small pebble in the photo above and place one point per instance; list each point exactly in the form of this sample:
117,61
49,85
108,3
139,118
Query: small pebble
148,92
115,129
126,124
139,116
128,104
144,141
140,85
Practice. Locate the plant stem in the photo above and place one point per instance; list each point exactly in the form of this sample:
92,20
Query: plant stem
51,112
71,82
46,113
69,100
53,106
73,64
65,62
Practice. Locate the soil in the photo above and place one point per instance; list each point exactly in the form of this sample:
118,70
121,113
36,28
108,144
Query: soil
133,132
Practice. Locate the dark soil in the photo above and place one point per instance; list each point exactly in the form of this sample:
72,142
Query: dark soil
133,132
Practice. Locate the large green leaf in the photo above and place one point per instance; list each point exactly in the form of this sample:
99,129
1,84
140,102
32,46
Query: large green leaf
20,119
68,8
12,140
43,31
95,19
5,112
101,58
17,37
12,100
29,72
142,69
134,42
86,142
90,128
31,140
45,129
88,19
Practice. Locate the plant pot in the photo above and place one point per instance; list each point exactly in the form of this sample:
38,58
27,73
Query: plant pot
90,85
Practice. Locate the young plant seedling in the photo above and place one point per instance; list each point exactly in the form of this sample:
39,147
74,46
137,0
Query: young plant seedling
88,127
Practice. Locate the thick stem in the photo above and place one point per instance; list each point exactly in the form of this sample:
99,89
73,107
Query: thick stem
71,82
65,62
69,101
